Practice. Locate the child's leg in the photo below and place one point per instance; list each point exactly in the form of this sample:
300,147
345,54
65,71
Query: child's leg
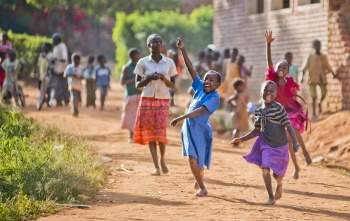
131,136
196,186
103,92
294,159
313,94
268,184
278,193
196,171
162,148
303,147
323,96
153,150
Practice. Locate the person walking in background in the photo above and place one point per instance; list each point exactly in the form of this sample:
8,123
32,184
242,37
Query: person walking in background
155,74
131,93
240,117
318,66
293,68
73,73
286,93
225,61
5,46
59,90
88,75
102,78
196,132
43,83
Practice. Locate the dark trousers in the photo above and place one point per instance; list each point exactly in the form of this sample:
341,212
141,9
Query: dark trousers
75,98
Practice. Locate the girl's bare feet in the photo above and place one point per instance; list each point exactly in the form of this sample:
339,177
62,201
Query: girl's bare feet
156,172
196,186
278,193
165,169
296,173
202,192
307,158
270,201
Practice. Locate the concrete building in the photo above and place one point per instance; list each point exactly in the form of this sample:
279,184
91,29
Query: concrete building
295,23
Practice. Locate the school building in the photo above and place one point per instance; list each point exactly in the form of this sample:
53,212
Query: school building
295,23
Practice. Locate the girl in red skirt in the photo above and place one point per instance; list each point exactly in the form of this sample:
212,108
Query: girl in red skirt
155,74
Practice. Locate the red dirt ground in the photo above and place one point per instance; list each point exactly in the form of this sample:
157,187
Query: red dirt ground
236,188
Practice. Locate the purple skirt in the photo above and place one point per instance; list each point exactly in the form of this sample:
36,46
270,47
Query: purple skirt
265,156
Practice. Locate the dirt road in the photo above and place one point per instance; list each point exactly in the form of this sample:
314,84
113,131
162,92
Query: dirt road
236,189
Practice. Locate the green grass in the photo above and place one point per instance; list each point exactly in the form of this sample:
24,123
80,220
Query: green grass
41,166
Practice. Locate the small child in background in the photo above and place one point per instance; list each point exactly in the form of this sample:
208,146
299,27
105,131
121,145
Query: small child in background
43,84
131,93
240,118
318,66
102,78
88,75
270,150
196,133
293,68
12,67
73,73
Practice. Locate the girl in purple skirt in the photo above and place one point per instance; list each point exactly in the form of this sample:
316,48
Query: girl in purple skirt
270,150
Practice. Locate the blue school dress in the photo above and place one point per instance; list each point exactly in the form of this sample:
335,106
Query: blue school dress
196,133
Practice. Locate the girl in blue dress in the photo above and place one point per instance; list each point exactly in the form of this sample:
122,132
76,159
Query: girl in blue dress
196,133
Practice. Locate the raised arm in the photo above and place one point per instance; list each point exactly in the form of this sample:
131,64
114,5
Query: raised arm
269,39
188,63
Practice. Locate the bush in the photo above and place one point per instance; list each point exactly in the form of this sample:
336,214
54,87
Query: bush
40,166
132,30
27,47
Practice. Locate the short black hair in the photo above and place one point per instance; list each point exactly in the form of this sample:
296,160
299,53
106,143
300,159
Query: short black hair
91,58
235,50
75,56
316,41
152,36
288,53
217,75
48,45
238,82
133,51
100,57
227,51
267,83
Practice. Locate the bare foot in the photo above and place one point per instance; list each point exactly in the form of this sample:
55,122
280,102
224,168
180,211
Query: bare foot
296,173
271,201
278,193
155,172
196,186
307,158
202,192
165,169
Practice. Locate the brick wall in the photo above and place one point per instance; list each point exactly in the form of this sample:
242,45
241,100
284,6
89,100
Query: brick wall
339,51
295,29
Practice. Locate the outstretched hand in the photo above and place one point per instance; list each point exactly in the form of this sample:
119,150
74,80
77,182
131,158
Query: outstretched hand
175,121
180,44
236,141
268,36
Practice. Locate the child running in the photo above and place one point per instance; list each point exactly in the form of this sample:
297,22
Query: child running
270,150
90,82
73,73
43,63
240,118
196,132
286,91
102,78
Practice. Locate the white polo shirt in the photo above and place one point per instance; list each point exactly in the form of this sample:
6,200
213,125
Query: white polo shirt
60,53
146,66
